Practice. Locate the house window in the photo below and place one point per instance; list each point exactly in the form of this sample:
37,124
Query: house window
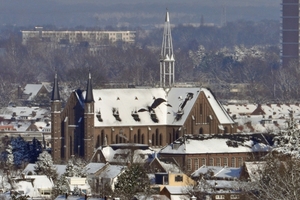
240,161
233,162
196,164
218,162
211,162
234,196
225,161
189,164
178,178
203,161
220,196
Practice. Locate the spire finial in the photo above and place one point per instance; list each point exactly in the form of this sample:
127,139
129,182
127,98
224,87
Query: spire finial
55,91
89,90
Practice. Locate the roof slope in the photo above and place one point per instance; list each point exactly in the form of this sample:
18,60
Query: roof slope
135,107
217,144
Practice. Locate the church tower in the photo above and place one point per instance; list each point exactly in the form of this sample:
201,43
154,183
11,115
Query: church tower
89,120
167,60
56,142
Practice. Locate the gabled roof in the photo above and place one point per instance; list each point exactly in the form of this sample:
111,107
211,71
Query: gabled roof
219,172
60,169
32,90
112,171
121,153
92,168
167,167
135,107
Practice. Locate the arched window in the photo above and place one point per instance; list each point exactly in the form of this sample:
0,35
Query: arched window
143,139
218,162
153,140
196,164
201,131
240,161
117,139
98,141
233,164
225,162
174,135
211,162
139,136
102,137
160,139
203,161
170,138
156,137
134,138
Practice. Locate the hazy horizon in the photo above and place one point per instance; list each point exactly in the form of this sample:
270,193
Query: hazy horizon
72,13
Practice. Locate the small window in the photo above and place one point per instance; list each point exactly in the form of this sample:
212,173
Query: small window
233,162
178,178
220,196
189,164
225,161
203,161
234,196
196,164
211,162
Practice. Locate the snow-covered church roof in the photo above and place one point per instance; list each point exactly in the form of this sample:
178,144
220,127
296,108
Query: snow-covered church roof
133,107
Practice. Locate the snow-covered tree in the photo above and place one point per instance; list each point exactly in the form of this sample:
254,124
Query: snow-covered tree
277,179
10,157
74,168
45,166
287,141
60,186
131,182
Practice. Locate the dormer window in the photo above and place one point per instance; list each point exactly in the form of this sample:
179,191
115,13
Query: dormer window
179,114
153,117
98,115
135,116
116,114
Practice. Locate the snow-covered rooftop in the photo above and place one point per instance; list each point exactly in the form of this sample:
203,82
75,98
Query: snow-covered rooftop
117,106
215,144
31,90
24,113
92,168
219,172
118,153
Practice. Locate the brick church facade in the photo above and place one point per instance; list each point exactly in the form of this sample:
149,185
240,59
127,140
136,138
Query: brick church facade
94,118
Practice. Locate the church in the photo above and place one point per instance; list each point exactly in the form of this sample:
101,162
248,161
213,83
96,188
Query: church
152,116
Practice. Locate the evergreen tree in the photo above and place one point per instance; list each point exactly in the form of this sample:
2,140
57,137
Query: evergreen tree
45,166
35,150
133,181
20,151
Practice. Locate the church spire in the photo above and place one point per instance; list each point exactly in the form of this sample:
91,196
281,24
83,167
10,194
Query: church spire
89,91
167,60
55,91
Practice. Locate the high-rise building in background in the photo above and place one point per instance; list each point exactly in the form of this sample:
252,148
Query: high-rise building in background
290,32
